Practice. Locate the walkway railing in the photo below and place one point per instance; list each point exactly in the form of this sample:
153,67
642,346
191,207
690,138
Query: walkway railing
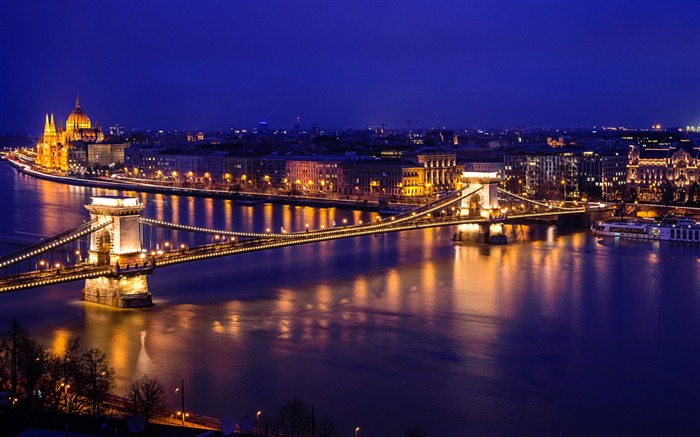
421,217
52,242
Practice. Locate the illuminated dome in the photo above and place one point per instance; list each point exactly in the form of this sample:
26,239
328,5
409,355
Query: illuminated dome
78,119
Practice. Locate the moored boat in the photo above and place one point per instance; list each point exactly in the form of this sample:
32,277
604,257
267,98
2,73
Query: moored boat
669,229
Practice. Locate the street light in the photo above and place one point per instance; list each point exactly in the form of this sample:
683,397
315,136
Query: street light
563,183
257,419
357,430
181,389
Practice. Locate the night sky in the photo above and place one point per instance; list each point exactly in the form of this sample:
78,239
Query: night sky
463,63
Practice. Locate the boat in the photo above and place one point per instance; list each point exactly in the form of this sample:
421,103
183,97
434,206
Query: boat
674,228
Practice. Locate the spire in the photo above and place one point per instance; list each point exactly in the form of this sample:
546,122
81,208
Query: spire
47,121
77,100
53,125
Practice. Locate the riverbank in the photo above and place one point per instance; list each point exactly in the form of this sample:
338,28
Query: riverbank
243,198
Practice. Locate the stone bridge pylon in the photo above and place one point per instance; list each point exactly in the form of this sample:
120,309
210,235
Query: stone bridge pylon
118,245
485,200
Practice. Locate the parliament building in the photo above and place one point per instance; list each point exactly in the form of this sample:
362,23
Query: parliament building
54,146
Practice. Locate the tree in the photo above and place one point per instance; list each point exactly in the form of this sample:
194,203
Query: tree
294,418
32,362
59,375
148,395
326,427
96,378
12,343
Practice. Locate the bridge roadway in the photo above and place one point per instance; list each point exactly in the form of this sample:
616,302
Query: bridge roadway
430,215
413,221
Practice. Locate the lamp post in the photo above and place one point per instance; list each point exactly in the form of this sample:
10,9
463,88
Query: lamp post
257,420
563,183
181,389
357,430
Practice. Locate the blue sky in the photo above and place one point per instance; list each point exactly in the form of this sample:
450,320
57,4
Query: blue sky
222,64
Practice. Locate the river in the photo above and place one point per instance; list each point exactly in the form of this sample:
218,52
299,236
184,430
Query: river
558,334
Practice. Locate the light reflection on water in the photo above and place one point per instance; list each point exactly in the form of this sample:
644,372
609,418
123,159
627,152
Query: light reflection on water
552,335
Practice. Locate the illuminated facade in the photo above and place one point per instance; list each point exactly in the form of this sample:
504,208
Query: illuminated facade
313,174
441,170
383,178
651,171
52,149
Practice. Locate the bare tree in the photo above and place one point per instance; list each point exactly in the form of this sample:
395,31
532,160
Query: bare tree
326,427
12,343
96,378
148,395
294,418
59,375
33,366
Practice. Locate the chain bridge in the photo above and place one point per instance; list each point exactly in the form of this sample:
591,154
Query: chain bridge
121,252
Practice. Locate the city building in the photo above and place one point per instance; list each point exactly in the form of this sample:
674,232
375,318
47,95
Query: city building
382,178
313,174
52,149
440,170
603,173
662,173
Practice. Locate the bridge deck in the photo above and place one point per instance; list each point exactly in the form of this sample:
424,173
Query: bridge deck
416,219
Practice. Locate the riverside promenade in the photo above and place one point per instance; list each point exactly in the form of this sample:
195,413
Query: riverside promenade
241,197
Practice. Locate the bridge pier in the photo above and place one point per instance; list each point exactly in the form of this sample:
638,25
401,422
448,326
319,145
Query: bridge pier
120,291
118,244
487,232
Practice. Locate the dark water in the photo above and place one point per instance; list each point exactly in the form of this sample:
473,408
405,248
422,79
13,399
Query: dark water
560,334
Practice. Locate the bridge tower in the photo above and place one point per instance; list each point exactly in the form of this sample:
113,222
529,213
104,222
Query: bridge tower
484,201
118,244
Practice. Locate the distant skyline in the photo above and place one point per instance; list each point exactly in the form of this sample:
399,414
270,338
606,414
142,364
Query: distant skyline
456,64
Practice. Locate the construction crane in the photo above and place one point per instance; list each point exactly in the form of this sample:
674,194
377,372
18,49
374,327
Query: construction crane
382,124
